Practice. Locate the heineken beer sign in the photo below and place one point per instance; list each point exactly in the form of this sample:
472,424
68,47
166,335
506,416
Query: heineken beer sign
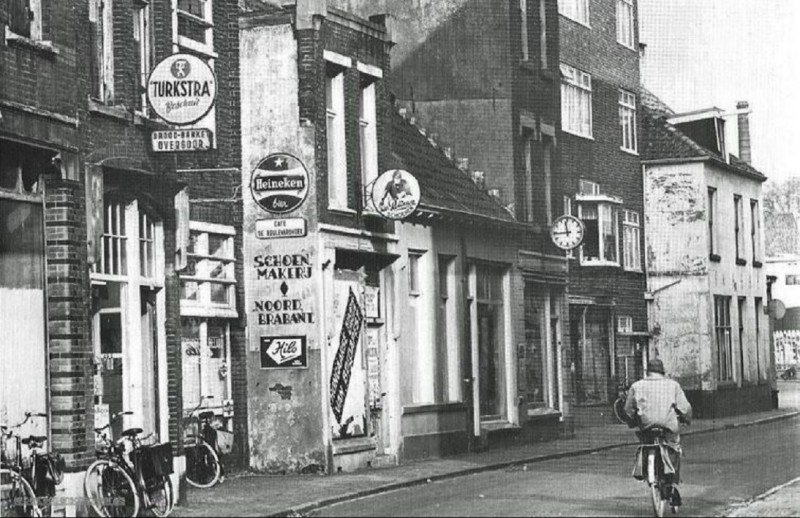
395,194
182,89
279,183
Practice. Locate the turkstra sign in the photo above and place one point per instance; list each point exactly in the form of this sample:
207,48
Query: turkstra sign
182,89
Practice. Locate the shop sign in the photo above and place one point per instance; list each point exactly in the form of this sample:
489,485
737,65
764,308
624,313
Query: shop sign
282,312
283,352
372,306
395,194
279,228
279,183
182,89
181,140
282,267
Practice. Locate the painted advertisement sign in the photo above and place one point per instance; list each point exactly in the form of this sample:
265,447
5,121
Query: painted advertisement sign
283,352
181,140
395,194
280,228
342,369
279,183
182,89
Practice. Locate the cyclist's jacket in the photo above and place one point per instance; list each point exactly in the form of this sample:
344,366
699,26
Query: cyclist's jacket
650,403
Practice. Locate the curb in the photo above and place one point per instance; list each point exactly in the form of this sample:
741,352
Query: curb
302,509
763,496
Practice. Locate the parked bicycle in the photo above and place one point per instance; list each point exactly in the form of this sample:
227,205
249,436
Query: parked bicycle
651,459
27,483
204,466
129,476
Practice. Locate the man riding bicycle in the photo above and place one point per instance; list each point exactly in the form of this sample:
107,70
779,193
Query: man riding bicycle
659,402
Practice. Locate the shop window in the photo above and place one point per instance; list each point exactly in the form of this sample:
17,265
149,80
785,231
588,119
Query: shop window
337,145
208,286
793,280
491,342
205,345
722,324
195,26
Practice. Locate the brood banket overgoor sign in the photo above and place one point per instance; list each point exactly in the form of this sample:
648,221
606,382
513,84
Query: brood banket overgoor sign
279,183
182,89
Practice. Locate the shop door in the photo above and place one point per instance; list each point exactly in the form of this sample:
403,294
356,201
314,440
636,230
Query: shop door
346,365
23,347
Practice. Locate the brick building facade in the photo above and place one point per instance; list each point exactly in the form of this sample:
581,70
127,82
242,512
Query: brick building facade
135,254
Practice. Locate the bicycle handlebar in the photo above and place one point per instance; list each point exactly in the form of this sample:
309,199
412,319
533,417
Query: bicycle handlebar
199,405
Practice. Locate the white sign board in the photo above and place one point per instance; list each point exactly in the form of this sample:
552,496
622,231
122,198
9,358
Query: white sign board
278,228
181,140
182,89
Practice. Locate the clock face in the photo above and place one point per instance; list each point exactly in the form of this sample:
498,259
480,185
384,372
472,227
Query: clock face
567,232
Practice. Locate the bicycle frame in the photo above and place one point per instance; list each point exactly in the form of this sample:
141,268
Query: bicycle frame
28,472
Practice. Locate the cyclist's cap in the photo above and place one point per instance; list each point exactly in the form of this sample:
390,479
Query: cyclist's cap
655,365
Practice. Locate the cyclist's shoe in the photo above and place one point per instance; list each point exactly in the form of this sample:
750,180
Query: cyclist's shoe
675,498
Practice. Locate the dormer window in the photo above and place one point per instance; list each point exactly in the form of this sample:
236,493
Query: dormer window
706,127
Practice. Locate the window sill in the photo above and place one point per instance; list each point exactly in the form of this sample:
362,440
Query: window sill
714,258
629,151
576,21
342,210
587,137
121,112
628,47
634,270
41,46
741,262
604,264
757,264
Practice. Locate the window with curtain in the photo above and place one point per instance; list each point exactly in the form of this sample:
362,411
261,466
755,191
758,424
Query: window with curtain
627,120
625,21
576,101
577,10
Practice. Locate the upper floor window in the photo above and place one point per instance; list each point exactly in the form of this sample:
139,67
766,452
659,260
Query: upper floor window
523,10
101,21
625,28
627,120
738,226
543,33
142,35
194,28
755,230
576,101
207,287
793,280
131,242
601,240
625,324
25,18
337,145
414,285
712,215
368,136
577,10
631,228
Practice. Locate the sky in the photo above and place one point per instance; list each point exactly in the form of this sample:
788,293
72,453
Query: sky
704,53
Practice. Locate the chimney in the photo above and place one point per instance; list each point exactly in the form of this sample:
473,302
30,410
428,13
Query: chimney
745,153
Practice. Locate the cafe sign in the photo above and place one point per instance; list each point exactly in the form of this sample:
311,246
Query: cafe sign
182,89
395,194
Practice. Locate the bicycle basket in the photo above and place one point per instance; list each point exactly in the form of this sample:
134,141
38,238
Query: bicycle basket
155,460
225,441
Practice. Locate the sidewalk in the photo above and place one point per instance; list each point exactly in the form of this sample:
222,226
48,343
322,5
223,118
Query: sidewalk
781,501
282,495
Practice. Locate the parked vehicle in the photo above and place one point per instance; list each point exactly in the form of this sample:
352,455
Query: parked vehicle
129,476
27,483
204,449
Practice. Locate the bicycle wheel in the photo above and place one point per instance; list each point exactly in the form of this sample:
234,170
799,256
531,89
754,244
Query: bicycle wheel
16,495
619,410
161,498
202,463
659,502
110,489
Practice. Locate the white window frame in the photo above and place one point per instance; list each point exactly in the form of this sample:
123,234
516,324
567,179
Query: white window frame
215,405
576,101
368,137
631,239
575,10
604,208
34,26
626,35
142,35
101,14
627,122
336,136
205,19
204,306
523,12
624,324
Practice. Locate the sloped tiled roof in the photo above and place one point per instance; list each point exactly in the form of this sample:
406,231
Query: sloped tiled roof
660,140
443,186
259,6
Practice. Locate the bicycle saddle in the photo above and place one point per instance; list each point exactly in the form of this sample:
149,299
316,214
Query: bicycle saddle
206,415
132,432
34,439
